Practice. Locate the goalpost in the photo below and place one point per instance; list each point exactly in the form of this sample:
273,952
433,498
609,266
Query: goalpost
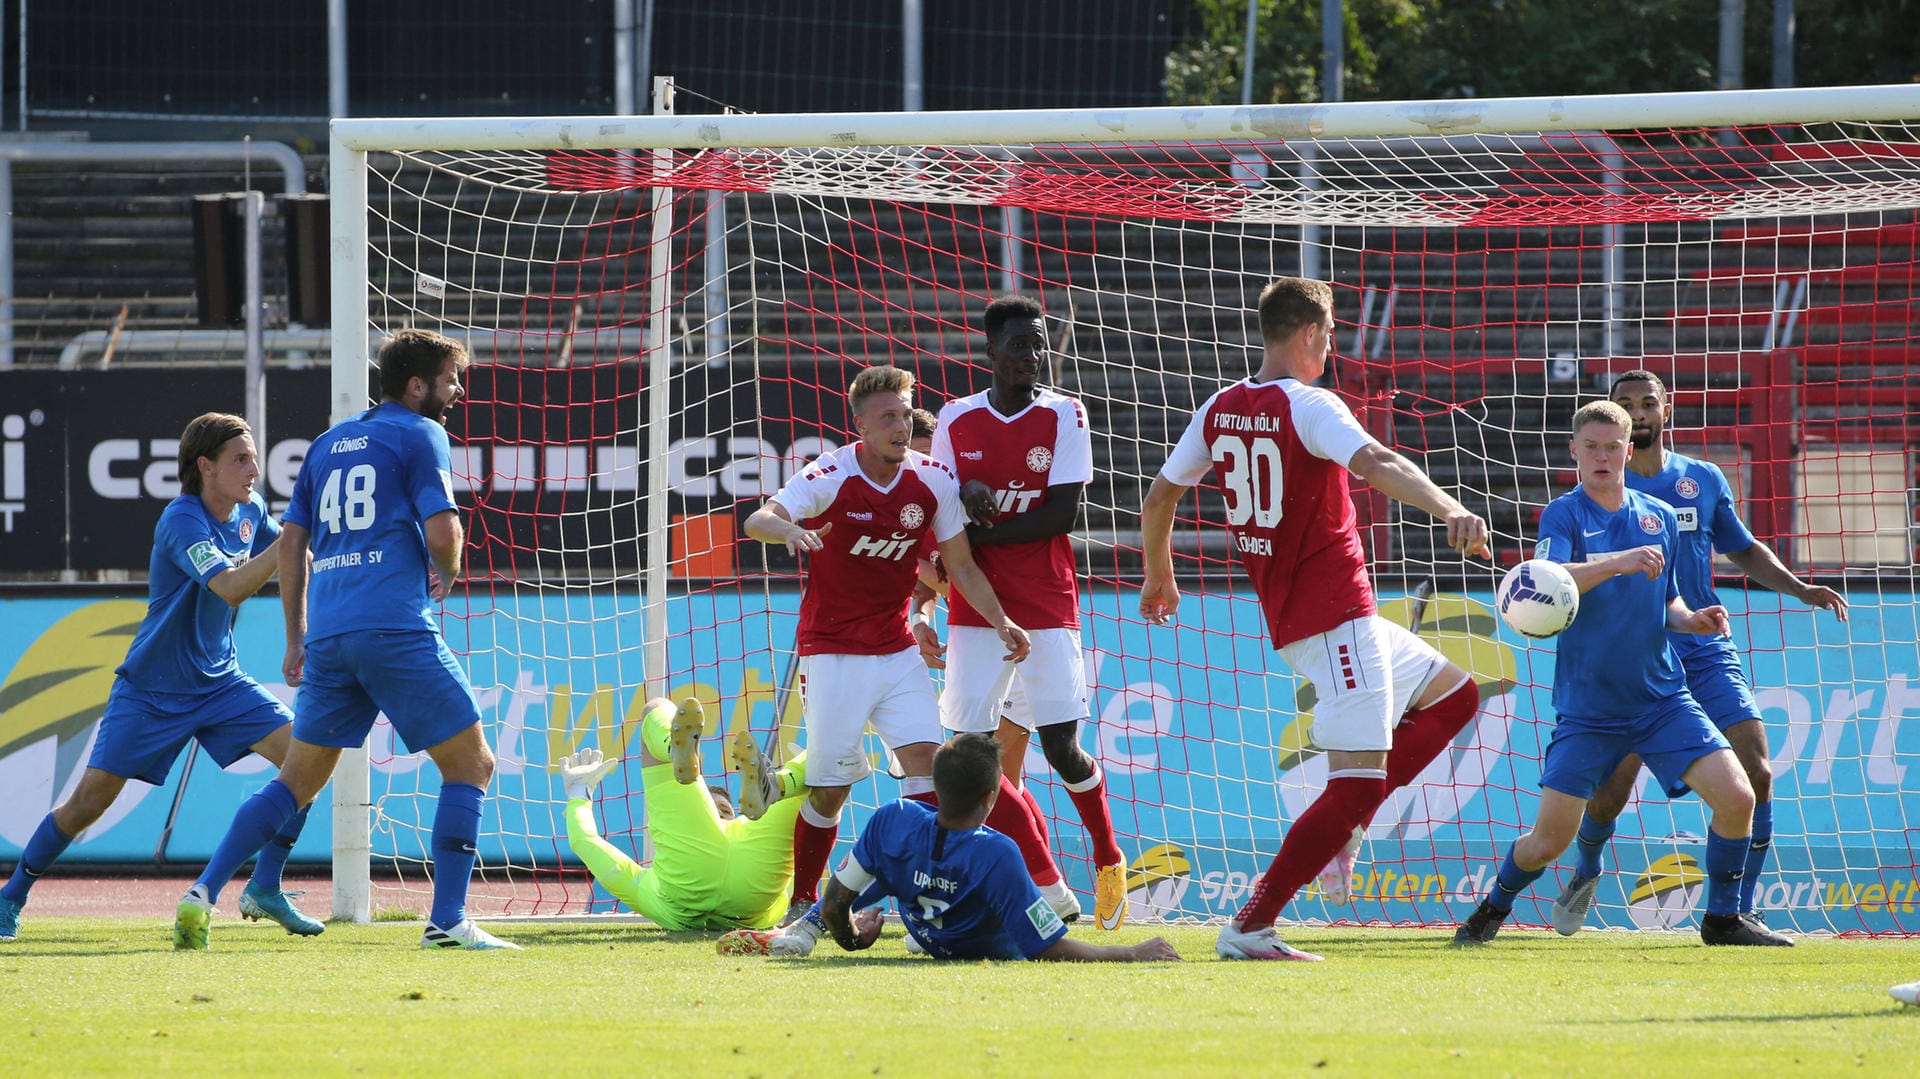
664,313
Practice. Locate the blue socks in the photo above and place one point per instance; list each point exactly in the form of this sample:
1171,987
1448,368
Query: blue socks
1758,844
47,844
456,835
1511,881
1591,843
1726,864
260,818
273,857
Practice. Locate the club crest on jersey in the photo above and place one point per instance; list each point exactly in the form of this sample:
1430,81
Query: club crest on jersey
1686,488
1039,458
1650,523
246,531
912,516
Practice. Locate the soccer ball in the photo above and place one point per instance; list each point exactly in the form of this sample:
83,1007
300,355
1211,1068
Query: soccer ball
1538,598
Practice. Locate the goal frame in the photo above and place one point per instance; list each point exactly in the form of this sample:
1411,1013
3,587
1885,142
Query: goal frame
351,140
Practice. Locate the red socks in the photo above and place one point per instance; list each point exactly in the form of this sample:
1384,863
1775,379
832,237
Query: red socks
1311,843
1090,798
1426,733
1012,818
812,846
1039,817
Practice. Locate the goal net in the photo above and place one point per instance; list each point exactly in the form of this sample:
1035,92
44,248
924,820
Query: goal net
665,313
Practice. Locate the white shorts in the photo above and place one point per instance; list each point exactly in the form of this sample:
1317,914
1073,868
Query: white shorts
1048,687
841,694
1367,673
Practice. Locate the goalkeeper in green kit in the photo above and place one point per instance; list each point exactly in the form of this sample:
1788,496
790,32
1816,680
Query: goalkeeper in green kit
712,868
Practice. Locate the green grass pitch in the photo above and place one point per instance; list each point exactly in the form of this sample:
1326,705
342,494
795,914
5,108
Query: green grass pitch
91,996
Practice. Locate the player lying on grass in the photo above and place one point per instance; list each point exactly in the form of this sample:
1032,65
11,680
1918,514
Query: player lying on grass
712,868
214,546
1618,686
1023,455
1701,501
1388,703
962,888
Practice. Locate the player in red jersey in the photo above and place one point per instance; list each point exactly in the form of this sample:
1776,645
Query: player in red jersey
861,513
1388,703
1023,455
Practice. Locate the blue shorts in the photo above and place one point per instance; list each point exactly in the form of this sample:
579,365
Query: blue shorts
141,733
1719,683
1669,737
408,674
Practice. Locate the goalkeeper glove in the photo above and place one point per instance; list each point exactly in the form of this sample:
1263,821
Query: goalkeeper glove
583,771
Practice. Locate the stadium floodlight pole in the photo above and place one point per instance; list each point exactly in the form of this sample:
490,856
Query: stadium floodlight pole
256,383
336,59
352,783
659,382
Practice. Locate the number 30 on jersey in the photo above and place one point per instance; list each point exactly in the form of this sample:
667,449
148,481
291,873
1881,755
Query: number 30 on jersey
355,510
1250,470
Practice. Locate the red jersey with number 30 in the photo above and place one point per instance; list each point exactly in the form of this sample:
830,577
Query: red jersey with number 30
1019,456
860,580
1280,449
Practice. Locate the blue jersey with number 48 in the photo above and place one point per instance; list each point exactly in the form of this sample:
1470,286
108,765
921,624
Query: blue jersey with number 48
963,895
365,492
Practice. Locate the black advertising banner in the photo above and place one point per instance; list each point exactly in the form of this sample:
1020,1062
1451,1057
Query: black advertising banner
552,461
100,450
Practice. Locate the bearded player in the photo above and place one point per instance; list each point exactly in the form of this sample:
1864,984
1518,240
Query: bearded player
1388,702
1703,506
1618,687
861,512
1024,455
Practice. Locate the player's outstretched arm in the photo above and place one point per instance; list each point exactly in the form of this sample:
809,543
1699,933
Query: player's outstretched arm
853,932
293,598
1401,480
1766,570
1069,950
1159,595
957,555
236,584
610,866
771,524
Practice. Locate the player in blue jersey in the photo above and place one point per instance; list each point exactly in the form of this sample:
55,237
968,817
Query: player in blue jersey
214,546
963,889
1618,686
1703,504
374,500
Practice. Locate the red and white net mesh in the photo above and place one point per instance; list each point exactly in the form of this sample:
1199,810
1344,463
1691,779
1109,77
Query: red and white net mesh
1484,286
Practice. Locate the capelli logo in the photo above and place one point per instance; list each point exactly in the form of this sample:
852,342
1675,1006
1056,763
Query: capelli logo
859,515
